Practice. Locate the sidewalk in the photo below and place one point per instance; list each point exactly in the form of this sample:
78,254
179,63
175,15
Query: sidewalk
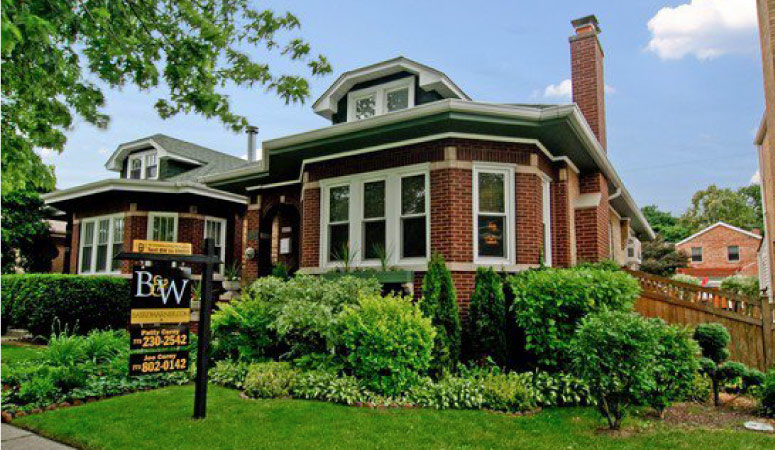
14,438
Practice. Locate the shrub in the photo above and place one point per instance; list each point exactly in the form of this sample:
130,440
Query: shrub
746,286
732,372
281,271
327,386
242,330
675,366
699,391
388,343
507,392
713,339
614,354
78,303
439,303
559,389
269,379
229,373
688,279
752,379
487,317
767,395
606,264
448,393
549,304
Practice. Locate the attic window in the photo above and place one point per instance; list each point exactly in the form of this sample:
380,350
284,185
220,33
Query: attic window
380,99
143,166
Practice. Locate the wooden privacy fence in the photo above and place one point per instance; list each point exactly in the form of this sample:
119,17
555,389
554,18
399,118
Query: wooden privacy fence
750,323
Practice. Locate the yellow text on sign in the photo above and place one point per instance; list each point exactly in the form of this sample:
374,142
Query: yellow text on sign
160,315
161,248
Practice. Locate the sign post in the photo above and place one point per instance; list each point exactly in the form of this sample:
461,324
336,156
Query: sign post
203,346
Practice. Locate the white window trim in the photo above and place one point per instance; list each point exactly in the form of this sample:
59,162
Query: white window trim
143,166
93,248
691,255
380,92
222,255
510,247
151,215
392,178
364,220
739,254
546,218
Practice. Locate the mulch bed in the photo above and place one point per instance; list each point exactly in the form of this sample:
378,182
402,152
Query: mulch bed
733,413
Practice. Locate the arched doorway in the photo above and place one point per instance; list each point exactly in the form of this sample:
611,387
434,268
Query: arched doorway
279,239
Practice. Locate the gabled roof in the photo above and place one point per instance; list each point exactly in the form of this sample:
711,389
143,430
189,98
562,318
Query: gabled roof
428,78
209,161
719,224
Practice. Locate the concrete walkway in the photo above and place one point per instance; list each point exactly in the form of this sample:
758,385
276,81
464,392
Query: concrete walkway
14,438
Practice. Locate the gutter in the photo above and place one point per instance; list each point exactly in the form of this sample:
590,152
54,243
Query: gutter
161,187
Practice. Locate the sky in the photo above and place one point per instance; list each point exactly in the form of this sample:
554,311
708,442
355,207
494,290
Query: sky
684,90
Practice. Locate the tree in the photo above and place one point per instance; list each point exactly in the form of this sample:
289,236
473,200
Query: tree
713,339
439,303
661,258
26,240
487,317
716,204
753,198
54,51
665,224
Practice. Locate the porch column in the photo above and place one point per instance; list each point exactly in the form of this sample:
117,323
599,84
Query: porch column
592,221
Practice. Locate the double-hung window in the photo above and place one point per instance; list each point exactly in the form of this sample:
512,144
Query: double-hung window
135,168
733,253
493,210
339,224
374,223
697,254
101,239
215,229
163,227
414,217
380,99
151,166
143,166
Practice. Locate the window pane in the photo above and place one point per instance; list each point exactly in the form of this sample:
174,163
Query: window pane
491,236
163,229
374,199
87,238
339,204
398,99
413,234
413,195
374,239
365,107
86,259
213,231
491,192
102,245
150,172
135,168
338,238
734,253
697,254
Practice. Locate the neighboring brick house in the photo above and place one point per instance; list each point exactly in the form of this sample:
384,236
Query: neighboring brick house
720,251
410,166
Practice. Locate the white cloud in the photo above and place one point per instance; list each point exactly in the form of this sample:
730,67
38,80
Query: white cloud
103,151
756,178
705,29
564,90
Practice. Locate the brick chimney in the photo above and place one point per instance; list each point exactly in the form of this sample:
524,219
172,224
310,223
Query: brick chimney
587,74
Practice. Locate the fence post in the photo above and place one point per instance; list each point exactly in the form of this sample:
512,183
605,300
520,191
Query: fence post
767,331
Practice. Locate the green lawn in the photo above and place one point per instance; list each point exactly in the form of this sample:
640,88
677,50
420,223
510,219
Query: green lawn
12,353
162,419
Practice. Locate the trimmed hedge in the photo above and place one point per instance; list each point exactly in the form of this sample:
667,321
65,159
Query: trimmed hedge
80,303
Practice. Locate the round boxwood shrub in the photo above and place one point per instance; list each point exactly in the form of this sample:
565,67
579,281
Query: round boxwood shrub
713,339
73,302
387,342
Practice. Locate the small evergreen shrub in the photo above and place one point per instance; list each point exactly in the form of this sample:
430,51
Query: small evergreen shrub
767,395
73,302
549,304
732,373
439,303
713,339
486,334
752,378
614,355
270,380
387,343
746,286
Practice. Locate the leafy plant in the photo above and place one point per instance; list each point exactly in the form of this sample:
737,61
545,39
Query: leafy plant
487,317
229,373
713,339
383,255
270,380
233,272
746,286
688,279
327,386
439,303
559,389
281,271
767,395
752,378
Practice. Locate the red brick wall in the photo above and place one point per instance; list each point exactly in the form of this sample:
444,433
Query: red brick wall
561,237
250,267
714,245
310,228
451,214
588,83
529,227
592,224
74,247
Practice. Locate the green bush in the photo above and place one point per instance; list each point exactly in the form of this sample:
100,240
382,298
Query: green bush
746,286
549,304
752,379
507,392
448,393
732,372
713,339
699,391
387,342
606,264
242,330
614,355
688,279
327,386
559,389
439,303
675,366
77,303
229,373
486,330
270,380
767,395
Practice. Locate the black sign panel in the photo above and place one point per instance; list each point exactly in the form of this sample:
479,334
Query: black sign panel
160,287
158,337
160,362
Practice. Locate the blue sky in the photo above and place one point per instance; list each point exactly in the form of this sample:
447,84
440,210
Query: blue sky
685,95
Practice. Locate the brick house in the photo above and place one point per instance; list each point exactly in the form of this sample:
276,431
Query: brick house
720,251
410,166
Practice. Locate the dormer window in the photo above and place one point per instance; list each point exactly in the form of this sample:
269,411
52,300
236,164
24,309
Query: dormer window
380,99
143,166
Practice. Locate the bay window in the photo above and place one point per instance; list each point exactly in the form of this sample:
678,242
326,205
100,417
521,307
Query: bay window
493,214
163,227
101,239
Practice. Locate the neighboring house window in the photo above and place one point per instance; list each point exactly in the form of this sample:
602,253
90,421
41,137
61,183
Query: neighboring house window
413,217
546,203
215,229
143,166
733,253
101,240
380,99
163,227
339,223
697,254
374,223
493,221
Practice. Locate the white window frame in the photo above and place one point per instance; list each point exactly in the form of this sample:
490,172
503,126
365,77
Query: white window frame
546,217
327,222
739,254
509,198
380,92
393,243
151,215
222,255
691,254
93,244
141,156
364,220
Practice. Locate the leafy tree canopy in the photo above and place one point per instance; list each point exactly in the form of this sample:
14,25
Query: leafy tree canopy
54,51
661,258
25,236
665,224
741,208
